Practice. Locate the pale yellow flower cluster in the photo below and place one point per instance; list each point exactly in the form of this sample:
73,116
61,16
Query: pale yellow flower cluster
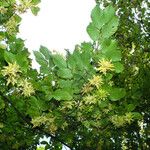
96,81
67,105
86,88
119,121
90,99
52,128
39,121
128,117
3,10
104,66
48,121
26,87
11,25
123,143
102,94
24,5
141,125
11,72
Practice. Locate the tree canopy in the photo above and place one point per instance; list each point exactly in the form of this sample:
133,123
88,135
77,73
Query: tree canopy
95,98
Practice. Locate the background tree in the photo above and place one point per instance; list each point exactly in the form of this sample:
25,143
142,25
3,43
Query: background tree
133,38
95,98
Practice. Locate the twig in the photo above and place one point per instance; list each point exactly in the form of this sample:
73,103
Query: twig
6,99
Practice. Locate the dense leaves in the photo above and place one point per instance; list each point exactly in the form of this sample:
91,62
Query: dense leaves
94,98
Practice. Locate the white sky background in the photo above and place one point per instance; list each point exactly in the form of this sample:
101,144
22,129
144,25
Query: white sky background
60,24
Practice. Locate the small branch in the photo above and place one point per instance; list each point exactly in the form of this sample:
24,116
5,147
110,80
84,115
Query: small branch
20,115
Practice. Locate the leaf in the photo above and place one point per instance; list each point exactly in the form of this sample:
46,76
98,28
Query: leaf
71,62
22,61
110,49
45,70
130,107
108,14
108,76
108,44
93,32
44,58
45,52
17,18
36,106
62,94
113,55
110,28
78,60
65,73
116,94
103,104
118,67
97,17
65,83
35,2
35,10
9,57
137,115
59,61
104,23
40,59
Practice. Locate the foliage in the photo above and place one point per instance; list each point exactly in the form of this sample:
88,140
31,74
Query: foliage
95,98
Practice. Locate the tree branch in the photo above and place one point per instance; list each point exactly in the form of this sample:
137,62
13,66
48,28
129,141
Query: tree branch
20,115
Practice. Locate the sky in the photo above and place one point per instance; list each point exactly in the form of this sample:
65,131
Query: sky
60,24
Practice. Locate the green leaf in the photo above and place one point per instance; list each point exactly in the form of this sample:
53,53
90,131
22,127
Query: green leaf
65,83
35,10
17,18
110,28
62,94
75,61
114,55
47,54
45,70
40,59
108,76
65,73
44,58
116,94
59,61
118,67
9,57
93,32
108,45
36,106
108,14
97,17
137,115
130,107
104,23
103,104
110,49
35,2
22,61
